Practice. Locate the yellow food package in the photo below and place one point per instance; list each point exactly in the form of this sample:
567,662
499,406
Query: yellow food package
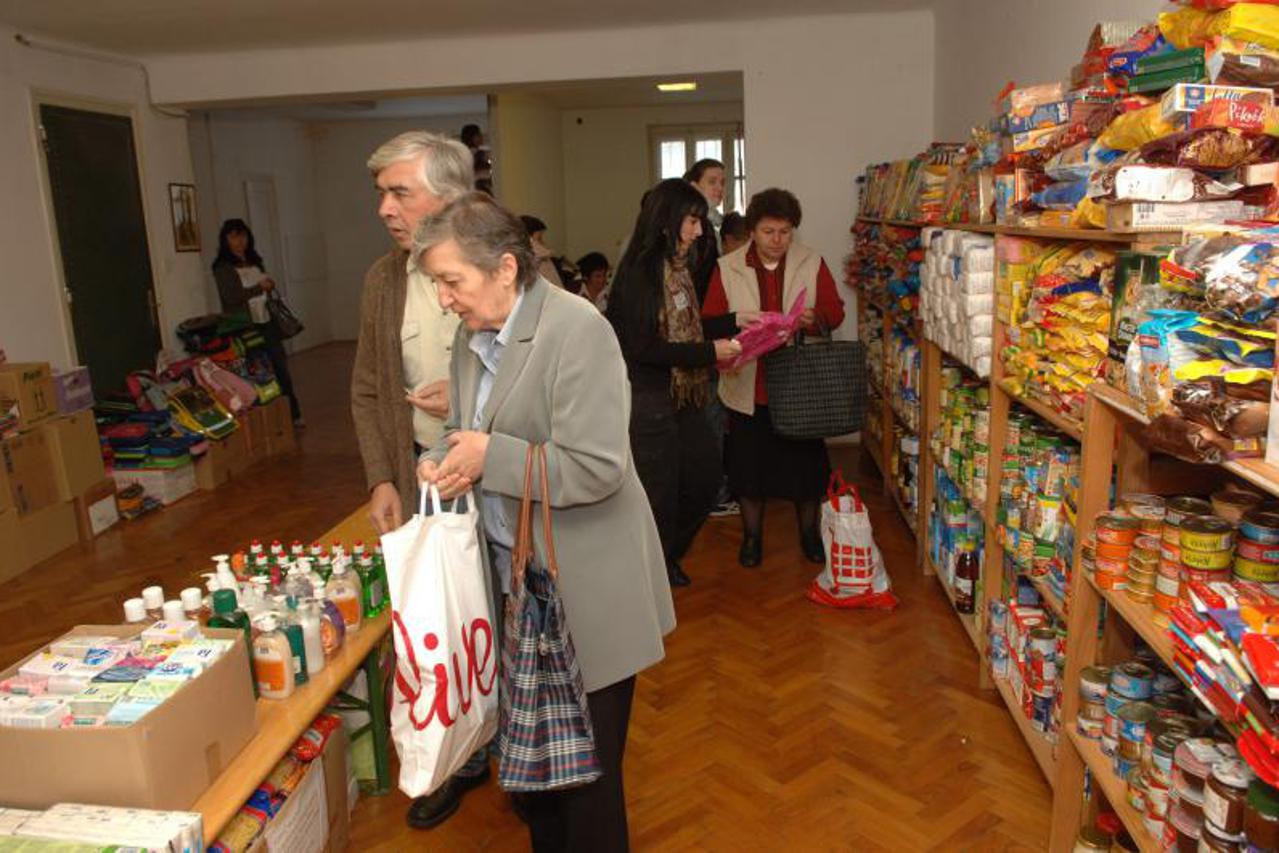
1247,22
1089,214
1134,129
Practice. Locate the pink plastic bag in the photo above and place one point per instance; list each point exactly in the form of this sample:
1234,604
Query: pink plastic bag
233,392
766,334
855,575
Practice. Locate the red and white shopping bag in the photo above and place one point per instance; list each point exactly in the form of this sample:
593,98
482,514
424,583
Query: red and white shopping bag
854,575
444,703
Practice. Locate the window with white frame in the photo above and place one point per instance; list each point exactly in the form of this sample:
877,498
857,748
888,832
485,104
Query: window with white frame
675,148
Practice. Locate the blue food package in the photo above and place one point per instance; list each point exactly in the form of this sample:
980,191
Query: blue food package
1042,115
121,674
1064,195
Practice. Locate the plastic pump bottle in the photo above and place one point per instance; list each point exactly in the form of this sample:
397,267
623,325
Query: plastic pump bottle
272,660
344,591
309,618
226,614
226,577
292,631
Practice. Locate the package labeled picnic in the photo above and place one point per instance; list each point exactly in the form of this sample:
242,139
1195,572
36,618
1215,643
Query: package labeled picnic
854,576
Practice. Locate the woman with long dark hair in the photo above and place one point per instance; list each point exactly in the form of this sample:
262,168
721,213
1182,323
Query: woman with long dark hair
655,310
243,286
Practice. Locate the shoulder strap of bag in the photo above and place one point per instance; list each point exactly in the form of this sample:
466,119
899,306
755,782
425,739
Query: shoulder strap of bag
523,550
552,563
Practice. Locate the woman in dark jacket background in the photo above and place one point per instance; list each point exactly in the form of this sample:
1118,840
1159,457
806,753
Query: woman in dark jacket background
242,285
655,310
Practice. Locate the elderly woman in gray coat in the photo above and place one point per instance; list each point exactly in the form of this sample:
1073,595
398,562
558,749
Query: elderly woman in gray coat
533,364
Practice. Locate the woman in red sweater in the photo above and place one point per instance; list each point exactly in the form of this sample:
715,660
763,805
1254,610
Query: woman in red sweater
767,274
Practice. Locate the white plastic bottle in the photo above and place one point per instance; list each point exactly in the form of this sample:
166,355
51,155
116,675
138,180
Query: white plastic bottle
135,611
344,591
226,577
272,660
309,619
153,598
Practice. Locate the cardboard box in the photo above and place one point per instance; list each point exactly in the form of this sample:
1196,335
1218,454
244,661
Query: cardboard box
1039,116
29,384
13,559
73,390
75,452
279,427
1167,216
1188,97
1033,140
96,510
167,485
317,815
221,461
27,481
166,760
257,435
48,532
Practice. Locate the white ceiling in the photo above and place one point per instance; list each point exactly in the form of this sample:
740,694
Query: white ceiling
570,95
144,27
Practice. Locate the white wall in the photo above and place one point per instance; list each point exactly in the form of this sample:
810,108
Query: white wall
607,167
824,95
528,163
354,236
982,45
32,324
230,148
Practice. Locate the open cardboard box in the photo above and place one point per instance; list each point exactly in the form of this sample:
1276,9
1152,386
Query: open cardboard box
316,817
166,760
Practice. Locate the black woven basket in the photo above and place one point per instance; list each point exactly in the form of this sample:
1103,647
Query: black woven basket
817,387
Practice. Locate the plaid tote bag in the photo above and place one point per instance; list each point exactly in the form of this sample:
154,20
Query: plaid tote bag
544,730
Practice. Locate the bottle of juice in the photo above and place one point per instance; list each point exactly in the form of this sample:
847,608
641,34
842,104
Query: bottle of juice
226,614
292,630
967,571
272,660
344,591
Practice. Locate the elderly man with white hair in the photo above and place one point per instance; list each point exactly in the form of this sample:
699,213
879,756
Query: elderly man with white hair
399,386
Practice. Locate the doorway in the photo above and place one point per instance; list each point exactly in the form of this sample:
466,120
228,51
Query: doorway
92,164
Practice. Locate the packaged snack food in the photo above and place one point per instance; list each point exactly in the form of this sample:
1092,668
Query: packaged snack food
1210,148
1132,130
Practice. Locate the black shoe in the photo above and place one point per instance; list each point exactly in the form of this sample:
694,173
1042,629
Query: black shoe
433,809
675,574
751,553
811,543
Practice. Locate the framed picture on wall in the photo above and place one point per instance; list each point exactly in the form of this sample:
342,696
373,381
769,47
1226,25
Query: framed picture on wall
186,230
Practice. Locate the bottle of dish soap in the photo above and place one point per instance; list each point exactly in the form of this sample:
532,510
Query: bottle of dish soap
312,637
272,660
344,591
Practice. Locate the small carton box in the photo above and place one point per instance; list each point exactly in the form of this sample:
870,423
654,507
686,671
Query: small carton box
75,452
27,481
13,559
221,461
1033,140
167,485
48,532
29,385
73,390
1188,97
1028,97
1170,215
165,760
96,510
279,427
1039,116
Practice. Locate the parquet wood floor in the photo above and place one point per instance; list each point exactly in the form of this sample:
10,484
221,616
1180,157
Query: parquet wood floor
771,725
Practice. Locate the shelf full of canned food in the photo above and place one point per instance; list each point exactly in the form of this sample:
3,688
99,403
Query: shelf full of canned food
1188,579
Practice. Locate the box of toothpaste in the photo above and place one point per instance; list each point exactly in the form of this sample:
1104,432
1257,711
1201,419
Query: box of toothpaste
155,749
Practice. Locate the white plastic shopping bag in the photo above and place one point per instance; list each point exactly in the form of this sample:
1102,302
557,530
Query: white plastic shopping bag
854,575
444,704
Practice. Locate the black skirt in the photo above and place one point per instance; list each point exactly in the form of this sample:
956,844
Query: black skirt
762,464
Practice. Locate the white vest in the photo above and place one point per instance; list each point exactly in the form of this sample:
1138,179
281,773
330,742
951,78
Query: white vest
737,390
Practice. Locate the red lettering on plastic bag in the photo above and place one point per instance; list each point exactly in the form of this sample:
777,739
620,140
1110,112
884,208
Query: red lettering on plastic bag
481,674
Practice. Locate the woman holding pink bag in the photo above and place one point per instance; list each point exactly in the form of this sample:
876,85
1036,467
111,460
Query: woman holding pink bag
771,273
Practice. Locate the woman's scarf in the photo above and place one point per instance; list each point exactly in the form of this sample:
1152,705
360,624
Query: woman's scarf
680,322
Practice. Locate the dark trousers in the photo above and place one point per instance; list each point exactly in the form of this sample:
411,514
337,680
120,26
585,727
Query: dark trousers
590,818
678,460
280,364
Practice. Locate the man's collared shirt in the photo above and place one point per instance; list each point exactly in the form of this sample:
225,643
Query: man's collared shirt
426,342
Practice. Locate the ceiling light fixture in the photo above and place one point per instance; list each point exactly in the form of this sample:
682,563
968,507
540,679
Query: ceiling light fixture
688,86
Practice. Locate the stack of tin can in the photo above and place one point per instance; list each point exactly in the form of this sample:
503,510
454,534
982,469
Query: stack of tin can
1111,546
1257,551
1143,561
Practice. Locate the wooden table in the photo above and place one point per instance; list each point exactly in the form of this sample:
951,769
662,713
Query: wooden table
281,723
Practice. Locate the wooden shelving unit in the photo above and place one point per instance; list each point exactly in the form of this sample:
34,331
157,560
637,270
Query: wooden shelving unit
1106,447
881,452
967,620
